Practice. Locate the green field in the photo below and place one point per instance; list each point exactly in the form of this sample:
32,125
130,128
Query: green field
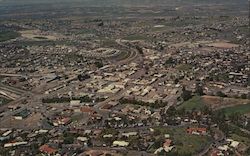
4,101
184,143
194,103
241,109
8,35
241,139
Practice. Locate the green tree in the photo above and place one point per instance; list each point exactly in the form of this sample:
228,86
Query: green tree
199,89
244,96
221,94
186,94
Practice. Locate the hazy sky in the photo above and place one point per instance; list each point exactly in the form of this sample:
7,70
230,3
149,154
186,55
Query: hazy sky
117,2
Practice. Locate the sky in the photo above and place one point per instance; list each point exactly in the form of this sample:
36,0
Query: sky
118,2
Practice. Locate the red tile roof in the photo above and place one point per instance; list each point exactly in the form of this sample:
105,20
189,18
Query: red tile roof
167,143
199,130
46,149
87,109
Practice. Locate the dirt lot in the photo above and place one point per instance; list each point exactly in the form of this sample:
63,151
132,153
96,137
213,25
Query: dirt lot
223,45
31,122
218,102
37,35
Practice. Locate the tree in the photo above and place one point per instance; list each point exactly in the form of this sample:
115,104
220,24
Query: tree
199,89
82,77
248,151
244,96
235,117
248,80
169,61
98,64
181,112
171,111
139,49
186,94
221,94
224,128
206,110
176,81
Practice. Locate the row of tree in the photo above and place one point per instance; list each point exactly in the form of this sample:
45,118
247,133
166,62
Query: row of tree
156,104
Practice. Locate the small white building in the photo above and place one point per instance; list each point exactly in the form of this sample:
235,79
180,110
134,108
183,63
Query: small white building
120,143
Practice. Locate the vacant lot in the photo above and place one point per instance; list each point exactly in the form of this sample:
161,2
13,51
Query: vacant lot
37,35
216,102
223,45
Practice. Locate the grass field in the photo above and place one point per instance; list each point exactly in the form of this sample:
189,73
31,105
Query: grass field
239,138
194,103
4,101
241,109
227,105
185,143
8,35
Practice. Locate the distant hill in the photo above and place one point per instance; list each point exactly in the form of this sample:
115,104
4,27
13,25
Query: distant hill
41,8
120,2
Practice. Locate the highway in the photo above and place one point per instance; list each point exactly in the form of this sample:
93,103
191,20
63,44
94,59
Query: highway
133,53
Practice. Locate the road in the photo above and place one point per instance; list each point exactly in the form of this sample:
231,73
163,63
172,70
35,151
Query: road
133,53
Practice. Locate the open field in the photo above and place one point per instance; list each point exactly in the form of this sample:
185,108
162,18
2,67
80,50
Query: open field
223,45
8,35
184,143
229,104
194,103
241,109
31,122
216,102
37,35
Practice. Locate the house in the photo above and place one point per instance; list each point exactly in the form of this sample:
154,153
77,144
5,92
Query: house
223,148
197,131
13,144
61,121
129,134
233,143
82,139
74,103
107,136
7,133
41,131
120,143
86,109
167,136
22,115
167,145
216,153
47,149
159,150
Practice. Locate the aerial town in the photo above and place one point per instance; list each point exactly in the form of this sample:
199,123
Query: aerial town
170,80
